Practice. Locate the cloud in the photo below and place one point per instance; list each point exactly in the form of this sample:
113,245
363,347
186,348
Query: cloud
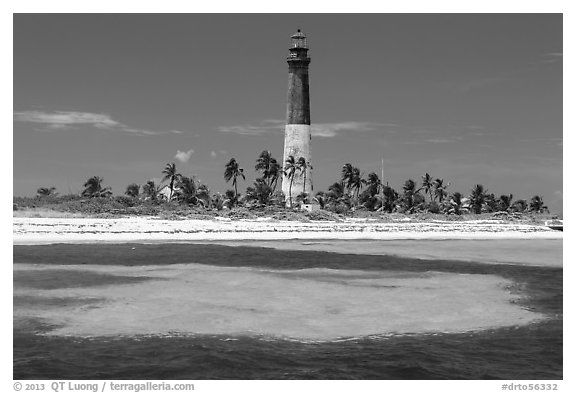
552,57
559,142
328,130
183,156
321,130
66,120
439,140
269,126
216,153
443,140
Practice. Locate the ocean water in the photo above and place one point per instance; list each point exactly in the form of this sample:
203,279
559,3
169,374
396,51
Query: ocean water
61,290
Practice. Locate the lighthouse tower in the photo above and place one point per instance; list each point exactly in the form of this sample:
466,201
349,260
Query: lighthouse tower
297,135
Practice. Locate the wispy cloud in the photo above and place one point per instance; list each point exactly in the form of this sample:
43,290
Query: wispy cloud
215,153
321,130
328,130
553,57
248,130
559,142
184,156
444,140
66,120
438,140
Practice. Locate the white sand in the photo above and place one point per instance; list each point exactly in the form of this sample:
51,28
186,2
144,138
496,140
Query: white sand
311,304
54,230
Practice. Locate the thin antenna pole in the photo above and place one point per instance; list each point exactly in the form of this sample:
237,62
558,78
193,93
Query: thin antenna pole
382,187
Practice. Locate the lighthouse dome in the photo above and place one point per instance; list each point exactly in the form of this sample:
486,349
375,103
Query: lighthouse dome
298,40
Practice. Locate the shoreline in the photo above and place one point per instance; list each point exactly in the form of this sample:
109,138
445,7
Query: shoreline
29,231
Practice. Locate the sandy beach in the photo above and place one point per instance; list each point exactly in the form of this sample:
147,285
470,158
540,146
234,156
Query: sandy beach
140,229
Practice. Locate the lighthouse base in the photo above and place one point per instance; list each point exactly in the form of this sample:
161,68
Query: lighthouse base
297,143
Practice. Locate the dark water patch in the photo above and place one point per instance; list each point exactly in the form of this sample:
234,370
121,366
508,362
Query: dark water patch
60,278
32,326
492,354
27,301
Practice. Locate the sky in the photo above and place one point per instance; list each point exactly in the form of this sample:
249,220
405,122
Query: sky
469,98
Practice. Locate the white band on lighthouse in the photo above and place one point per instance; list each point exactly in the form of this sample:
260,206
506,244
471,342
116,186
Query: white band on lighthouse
297,143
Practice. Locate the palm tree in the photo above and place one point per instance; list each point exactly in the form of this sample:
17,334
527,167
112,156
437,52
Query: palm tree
347,173
373,184
427,184
356,181
336,199
259,193
203,194
505,202
492,204
264,164
390,199
440,189
274,174
217,201
150,191
456,203
290,168
320,197
410,195
369,197
336,191
537,204
46,191
93,188
303,166
186,190
478,198
520,205
133,190
229,197
232,172
172,175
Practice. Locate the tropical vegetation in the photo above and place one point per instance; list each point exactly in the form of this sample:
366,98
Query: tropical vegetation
352,192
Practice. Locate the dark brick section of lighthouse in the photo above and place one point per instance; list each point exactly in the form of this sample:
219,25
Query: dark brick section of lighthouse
298,110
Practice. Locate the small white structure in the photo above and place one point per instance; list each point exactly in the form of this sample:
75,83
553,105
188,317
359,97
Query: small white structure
164,192
310,207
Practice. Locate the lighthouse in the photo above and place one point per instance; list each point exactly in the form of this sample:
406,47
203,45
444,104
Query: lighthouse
297,134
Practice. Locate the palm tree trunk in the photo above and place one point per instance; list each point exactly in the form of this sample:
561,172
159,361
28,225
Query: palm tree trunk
290,191
235,191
